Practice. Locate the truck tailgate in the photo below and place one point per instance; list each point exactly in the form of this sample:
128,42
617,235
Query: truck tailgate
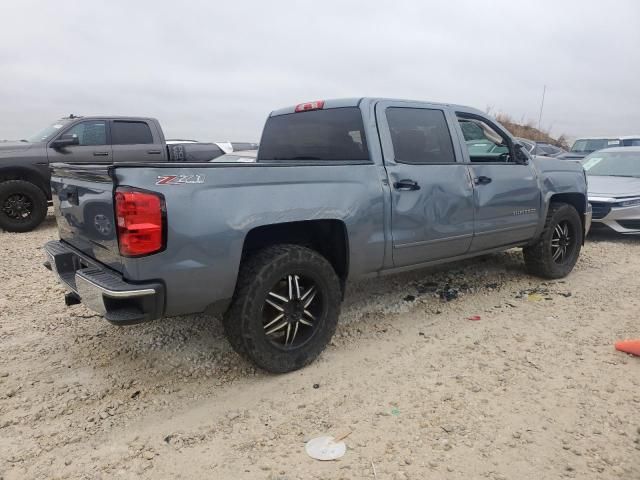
83,204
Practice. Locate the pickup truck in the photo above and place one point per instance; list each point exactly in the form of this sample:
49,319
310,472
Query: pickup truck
24,165
341,189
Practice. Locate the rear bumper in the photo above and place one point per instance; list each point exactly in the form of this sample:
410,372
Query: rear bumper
103,290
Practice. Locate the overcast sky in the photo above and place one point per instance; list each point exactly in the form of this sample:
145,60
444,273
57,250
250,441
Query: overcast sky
213,70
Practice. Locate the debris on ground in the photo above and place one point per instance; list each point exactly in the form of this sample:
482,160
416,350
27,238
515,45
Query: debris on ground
448,293
327,448
544,369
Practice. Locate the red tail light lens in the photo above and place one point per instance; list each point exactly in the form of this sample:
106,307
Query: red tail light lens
304,107
140,219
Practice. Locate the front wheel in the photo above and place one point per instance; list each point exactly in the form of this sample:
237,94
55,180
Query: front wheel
23,206
285,309
558,248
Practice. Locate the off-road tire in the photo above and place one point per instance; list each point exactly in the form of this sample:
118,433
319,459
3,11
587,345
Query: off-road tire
34,194
538,258
243,321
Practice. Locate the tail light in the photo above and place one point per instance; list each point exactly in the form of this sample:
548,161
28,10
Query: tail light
304,107
141,222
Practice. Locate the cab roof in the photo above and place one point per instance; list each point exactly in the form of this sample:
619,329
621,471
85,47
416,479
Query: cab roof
370,101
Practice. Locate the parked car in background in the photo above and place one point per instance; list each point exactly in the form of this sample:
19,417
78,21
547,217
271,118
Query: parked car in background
243,156
584,146
341,189
614,188
226,147
541,149
174,141
229,147
100,140
243,146
630,141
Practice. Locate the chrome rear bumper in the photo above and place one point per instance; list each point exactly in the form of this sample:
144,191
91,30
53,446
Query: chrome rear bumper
103,290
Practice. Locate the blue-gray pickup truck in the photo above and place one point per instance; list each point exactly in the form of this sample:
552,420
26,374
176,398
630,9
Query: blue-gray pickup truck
341,189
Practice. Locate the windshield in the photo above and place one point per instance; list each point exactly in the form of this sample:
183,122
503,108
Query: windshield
46,133
616,164
591,145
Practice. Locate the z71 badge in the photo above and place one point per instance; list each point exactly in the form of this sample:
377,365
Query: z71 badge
179,179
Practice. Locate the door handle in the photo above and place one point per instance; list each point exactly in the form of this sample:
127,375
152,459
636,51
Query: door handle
482,180
154,152
406,185
100,154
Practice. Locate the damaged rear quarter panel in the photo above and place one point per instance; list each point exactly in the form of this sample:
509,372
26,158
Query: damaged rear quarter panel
208,222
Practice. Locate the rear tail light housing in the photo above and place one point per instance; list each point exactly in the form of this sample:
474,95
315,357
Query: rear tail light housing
305,107
141,221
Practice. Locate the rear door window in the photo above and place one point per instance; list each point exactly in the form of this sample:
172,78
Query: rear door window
130,133
419,135
335,134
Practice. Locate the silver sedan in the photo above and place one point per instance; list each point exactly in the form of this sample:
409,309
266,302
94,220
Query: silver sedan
614,188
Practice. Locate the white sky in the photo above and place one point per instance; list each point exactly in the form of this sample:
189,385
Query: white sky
214,70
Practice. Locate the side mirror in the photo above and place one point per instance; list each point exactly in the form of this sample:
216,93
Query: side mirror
65,140
521,158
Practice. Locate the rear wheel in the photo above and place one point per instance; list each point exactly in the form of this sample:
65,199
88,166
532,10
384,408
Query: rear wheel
23,206
285,309
558,248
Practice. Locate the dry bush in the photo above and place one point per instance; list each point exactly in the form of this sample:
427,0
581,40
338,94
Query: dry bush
527,130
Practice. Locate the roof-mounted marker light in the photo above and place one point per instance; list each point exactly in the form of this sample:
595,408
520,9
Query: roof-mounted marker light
305,107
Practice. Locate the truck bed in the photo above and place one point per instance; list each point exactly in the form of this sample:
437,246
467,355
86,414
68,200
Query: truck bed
210,209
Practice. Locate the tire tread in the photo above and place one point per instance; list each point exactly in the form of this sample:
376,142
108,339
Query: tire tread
254,271
39,208
536,258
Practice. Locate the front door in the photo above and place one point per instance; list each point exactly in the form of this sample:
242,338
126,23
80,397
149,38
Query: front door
93,144
507,195
431,191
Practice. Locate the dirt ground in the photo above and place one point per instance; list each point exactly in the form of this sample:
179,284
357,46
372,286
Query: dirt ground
534,389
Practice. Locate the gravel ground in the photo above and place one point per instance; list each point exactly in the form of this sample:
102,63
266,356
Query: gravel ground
533,389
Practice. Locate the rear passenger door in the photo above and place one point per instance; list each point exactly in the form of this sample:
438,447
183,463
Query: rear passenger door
136,141
431,191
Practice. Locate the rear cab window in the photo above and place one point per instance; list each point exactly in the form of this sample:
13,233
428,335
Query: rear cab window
334,134
130,133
